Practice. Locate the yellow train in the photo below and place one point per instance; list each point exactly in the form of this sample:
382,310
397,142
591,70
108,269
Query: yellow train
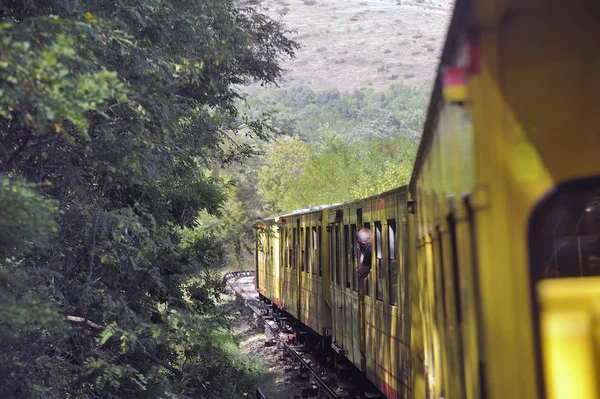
484,280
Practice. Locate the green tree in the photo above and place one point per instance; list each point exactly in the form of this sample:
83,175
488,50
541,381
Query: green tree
298,175
112,112
282,180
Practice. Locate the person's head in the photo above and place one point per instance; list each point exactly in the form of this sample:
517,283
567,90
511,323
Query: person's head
363,237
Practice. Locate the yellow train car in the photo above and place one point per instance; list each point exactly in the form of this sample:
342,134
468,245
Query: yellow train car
507,202
370,317
305,265
267,259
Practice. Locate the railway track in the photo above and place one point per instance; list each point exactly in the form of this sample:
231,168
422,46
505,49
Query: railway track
322,382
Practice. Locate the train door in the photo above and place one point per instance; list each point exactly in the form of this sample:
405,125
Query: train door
362,220
256,268
348,298
352,320
336,287
298,276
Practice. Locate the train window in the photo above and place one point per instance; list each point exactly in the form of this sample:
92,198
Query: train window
368,279
393,262
564,238
354,258
284,251
565,233
289,248
337,255
379,281
262,248
319,251
302,250
347,251
308,250
331,253
455,272
316,261
294,248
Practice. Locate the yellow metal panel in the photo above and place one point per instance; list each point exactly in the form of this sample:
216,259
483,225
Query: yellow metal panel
535,104
569,314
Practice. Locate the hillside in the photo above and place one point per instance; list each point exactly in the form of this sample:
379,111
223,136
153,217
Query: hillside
348,44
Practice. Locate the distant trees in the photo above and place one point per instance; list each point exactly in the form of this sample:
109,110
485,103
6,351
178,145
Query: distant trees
334,147
111,115
360,115
299,174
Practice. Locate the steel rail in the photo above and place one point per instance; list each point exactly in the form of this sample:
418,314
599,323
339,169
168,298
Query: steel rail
229,277
323,384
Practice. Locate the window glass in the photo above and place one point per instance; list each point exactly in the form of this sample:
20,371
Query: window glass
393,262
307,250
354,250
294,248
565,235
379,281
316,253
319,251
337,255
302,250
347,251
368,279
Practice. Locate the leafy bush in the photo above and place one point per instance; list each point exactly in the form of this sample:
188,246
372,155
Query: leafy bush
112,116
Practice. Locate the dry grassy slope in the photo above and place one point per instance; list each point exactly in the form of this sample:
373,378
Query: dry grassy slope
350,44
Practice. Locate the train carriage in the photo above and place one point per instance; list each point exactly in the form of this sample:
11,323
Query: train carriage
386,317
268,282
506,187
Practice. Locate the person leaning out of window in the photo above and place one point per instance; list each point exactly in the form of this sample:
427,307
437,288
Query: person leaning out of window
363,239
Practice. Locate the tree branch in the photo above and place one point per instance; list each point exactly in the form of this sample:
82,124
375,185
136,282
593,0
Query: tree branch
166,365
177,372
77,319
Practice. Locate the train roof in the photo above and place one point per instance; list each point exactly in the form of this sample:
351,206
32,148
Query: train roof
460,19
384,194
337,205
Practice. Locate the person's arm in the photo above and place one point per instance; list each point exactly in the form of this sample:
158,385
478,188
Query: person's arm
365,264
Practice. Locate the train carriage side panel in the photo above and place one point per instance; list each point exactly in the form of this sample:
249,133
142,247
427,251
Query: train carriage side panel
309,306
536,98
289,282
325,301
260,248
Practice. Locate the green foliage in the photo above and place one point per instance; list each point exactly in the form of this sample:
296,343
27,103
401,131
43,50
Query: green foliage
399,110
335,147
39,84
230,227
111,113
26,218
298,175
287,162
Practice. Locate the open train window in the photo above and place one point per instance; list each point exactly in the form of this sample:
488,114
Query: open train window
354,258
302,250
393,262
379,281
294,248
347,251
564,235
316,261
367,225
319,251
308,249
337,255
564,241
